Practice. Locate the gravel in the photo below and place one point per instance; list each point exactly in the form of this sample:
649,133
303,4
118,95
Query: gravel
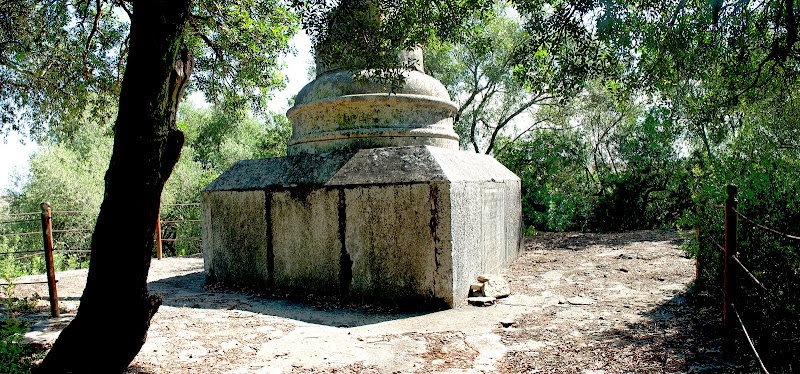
579,303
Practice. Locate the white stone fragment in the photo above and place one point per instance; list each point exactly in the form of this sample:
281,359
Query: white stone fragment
481,301
497,287
580,301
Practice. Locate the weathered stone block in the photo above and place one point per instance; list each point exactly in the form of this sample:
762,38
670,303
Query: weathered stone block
304,223
392,223
235,245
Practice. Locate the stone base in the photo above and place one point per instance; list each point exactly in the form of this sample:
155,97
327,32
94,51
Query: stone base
400,223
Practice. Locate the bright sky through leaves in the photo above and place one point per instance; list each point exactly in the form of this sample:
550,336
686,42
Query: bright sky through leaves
14,156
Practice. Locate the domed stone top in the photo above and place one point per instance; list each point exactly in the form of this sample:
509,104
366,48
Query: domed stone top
410,59
339,83
336,111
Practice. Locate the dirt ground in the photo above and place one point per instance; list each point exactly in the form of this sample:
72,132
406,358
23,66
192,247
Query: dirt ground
580,303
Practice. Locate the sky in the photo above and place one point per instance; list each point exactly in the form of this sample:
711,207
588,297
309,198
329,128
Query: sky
14,155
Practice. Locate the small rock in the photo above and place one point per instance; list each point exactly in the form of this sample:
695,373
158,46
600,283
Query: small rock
506,322
497,287
580,301
477,290
484,277
481,301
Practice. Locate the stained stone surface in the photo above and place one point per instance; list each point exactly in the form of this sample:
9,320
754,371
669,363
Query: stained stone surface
336,112
391,223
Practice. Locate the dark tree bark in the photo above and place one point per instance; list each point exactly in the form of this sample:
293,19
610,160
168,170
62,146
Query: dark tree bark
116,308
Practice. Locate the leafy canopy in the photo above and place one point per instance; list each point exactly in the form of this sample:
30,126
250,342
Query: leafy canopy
59,59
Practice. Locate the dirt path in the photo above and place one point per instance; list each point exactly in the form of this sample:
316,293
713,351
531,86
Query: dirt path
581,303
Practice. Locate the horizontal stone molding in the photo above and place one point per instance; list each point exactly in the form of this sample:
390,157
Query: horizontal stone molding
345,122
403,101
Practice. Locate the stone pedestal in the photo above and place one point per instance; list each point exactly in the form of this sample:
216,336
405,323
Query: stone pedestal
398,223
374,200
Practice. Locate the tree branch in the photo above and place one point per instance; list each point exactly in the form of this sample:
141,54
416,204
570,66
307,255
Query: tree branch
122,53
217,51
97,15
791,27
499,151
121,4
467,103
17,85
505,122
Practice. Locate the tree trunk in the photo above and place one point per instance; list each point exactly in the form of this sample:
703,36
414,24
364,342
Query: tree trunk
116,308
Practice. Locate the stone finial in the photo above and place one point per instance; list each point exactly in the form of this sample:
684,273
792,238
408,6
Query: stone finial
336,111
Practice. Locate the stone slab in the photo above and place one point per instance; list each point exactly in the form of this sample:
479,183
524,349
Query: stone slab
390,223
366,166
235,246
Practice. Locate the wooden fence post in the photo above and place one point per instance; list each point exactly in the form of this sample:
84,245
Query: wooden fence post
158,236
697,262
47,237
729,279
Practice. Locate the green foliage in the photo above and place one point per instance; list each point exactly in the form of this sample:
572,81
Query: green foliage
216,138
563,51
604,165
647,186
69,174
478,71
766,174
13,306
59,60
237,45
548,161
219,138
369,34
56,62
15,357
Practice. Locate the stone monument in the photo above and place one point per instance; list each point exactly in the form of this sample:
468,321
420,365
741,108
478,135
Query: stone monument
374,199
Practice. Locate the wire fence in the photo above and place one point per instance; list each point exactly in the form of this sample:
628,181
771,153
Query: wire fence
178,230
68,246
736,272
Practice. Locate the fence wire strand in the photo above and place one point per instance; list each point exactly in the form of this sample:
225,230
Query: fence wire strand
20,234
32,282
721,248
19,221
750,341
19,258
20,214
16,252
179,239
73,230
753,277
765,228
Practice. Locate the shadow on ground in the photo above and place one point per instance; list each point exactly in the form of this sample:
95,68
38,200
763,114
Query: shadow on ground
577,241
190,291
679,336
